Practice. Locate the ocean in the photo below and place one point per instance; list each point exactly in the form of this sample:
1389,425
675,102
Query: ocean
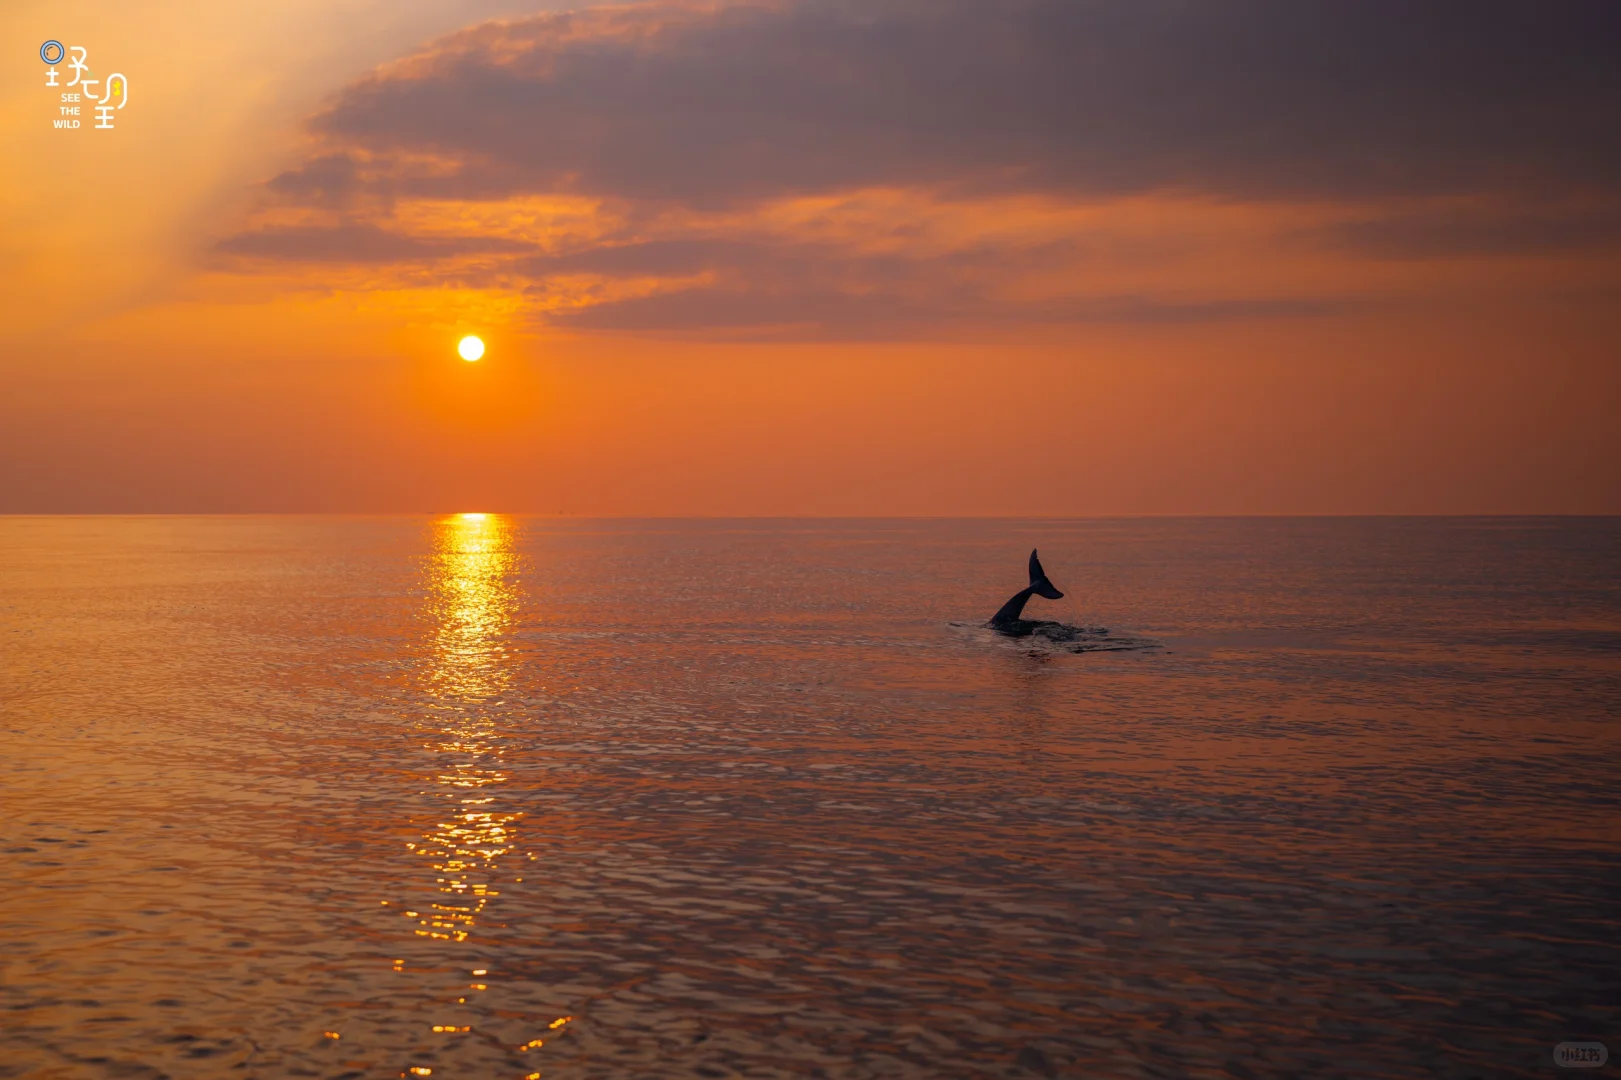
484,797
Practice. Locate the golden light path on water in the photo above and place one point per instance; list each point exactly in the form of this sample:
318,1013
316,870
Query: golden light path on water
473,600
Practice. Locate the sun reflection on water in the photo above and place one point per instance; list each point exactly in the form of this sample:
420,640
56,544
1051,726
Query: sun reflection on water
473,602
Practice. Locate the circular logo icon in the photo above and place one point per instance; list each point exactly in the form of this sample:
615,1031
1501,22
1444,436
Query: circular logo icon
52,52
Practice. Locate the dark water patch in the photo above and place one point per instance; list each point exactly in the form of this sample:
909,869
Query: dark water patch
1062,637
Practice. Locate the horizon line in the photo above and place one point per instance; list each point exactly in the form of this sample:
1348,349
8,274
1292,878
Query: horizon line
1173,515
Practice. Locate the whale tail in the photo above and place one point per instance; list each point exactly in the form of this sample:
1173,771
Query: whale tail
1038,580
1039,586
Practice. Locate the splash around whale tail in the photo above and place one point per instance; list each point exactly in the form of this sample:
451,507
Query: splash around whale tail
1039,586
1038,580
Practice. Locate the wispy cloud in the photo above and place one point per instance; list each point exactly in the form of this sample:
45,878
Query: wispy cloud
358,243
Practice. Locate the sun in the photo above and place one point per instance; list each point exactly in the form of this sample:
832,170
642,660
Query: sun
470,347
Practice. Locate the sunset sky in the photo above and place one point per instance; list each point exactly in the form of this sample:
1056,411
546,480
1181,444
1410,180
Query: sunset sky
1042,257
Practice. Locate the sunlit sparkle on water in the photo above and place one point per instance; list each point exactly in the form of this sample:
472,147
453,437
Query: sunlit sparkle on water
473,601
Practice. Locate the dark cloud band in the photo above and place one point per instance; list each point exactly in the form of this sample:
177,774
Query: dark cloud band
1252,97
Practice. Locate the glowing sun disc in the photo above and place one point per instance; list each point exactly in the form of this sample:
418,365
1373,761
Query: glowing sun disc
470,348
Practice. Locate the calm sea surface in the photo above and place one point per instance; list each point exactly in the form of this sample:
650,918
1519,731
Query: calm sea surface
503,797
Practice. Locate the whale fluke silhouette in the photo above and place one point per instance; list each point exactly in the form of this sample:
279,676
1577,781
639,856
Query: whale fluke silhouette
1008,614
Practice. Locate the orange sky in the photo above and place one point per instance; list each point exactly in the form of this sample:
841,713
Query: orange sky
746,261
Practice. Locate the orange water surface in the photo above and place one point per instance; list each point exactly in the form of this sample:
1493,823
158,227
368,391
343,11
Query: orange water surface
489,797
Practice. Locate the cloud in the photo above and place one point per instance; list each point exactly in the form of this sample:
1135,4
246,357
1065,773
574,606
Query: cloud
721,146
783,287
709,105
1476,230
358,244
326,180
828,314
